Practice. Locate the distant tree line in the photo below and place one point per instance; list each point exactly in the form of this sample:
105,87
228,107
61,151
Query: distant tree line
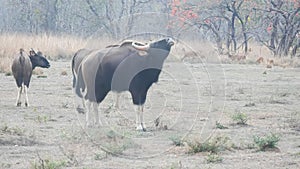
230,24
233,23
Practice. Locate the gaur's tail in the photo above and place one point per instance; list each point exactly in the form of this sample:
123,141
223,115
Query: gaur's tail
79,84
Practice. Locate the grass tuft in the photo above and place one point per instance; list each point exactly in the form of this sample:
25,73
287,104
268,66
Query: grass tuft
220,126
5,129
214,145
177,140
48,164
267,142
240,118
214,158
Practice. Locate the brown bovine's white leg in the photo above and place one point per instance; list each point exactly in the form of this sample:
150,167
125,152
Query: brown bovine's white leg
19,96
26,96
97,119
87,115
117,105
139,118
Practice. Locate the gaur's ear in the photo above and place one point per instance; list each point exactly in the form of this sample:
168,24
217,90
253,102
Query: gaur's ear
32,52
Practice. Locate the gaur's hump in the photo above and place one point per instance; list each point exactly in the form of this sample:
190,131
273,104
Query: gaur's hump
126,43
129,42
112,46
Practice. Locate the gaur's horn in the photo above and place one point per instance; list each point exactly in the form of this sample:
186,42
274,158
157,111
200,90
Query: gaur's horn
140,47
31,50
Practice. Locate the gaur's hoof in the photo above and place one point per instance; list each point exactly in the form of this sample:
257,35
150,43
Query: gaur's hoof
140,128
18,104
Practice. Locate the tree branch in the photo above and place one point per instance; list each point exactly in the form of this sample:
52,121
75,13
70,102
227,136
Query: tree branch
92,8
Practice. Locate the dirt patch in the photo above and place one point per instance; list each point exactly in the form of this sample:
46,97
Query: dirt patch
191,103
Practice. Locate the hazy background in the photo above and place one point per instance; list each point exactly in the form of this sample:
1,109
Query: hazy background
268,28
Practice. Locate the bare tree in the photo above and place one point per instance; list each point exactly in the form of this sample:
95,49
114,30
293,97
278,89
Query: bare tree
284,20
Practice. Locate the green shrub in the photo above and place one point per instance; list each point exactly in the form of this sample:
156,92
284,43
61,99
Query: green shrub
176,140
213,145
214,158
48,164
220,126
269,141
240,118
11,130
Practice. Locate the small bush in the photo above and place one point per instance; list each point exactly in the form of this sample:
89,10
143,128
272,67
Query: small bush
220,126
11,130
269,141
116,143
99,156
214,158
42,119
203,147
111,134
213,145
240,118
117,148
48,164
176,140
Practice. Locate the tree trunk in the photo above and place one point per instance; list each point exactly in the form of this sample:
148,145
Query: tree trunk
228,40
233,32
295,48
274,35
50,25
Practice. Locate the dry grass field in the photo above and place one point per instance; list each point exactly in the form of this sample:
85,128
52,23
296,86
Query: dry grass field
203,113
53,47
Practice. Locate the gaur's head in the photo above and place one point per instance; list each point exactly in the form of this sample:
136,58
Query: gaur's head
38,60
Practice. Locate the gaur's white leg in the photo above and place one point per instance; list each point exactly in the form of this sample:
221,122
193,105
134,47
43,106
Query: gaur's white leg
87,115
98,121
19,96
83,103
26,96
142,117
117,105
139,118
